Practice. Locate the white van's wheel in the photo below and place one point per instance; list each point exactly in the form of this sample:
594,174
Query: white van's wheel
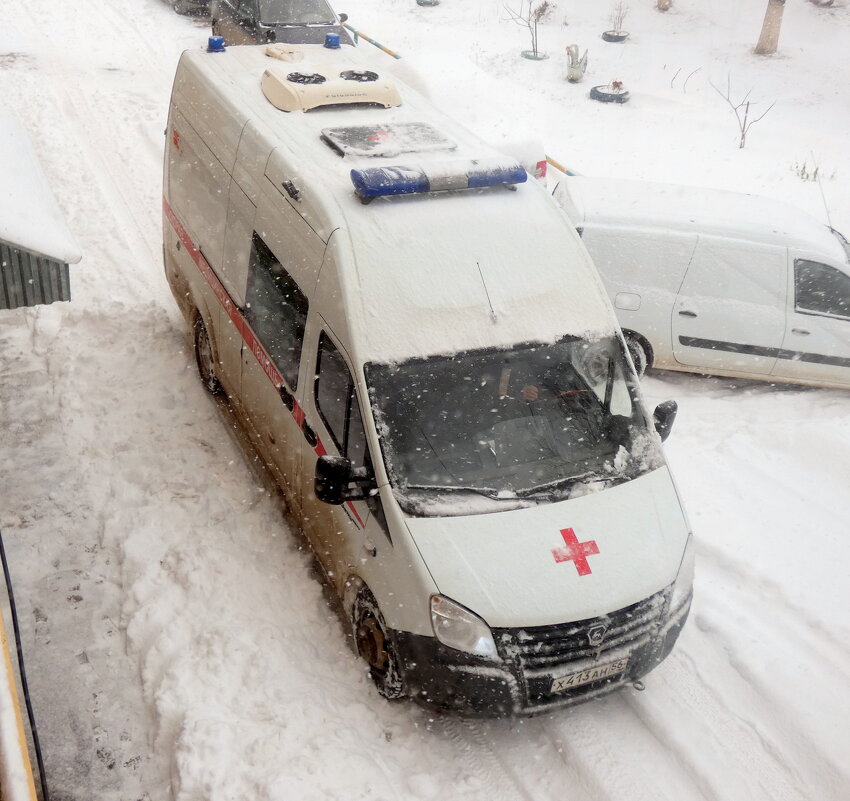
205,359
638,350
376,647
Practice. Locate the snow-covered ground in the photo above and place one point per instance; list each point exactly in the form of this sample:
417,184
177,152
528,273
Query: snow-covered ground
176,640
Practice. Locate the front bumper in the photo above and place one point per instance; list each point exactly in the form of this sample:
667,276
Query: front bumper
441,677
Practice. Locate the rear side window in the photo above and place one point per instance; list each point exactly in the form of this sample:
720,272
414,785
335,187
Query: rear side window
337,403
276,310
821,289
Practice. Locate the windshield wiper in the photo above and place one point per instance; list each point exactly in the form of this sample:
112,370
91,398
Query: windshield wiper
559,483
487,492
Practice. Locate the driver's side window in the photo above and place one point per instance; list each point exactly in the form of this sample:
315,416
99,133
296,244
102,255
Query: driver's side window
821,289
336,401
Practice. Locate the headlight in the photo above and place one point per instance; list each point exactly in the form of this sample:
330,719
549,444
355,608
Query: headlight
458,628
685,580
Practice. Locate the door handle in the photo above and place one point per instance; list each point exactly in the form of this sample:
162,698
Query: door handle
286,397
309,434
687,313
800,331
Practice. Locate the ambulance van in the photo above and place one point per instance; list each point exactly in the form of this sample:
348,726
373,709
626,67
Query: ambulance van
418,344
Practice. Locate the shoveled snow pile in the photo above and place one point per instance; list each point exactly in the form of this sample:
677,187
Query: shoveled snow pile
177,642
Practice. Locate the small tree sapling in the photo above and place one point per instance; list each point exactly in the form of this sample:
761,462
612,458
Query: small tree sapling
530,15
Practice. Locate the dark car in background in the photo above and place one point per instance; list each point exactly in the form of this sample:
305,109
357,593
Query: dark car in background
291,21
190,6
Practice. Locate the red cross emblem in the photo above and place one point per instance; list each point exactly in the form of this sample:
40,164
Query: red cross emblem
575,551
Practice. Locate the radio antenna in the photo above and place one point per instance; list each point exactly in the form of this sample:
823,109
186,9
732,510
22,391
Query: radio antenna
822,195
484,284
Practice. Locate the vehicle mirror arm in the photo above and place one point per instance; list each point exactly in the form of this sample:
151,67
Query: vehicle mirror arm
364,483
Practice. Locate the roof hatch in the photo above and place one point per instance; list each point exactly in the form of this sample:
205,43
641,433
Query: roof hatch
300,87
386,141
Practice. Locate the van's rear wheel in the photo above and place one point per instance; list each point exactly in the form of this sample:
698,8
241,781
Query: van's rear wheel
640,353
205,359
376,647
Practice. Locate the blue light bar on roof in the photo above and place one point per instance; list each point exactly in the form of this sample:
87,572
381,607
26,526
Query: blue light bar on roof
398,180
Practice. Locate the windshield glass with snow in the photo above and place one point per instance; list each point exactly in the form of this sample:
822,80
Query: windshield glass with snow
531,424
295,12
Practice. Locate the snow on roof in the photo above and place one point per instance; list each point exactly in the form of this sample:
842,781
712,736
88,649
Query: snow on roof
30,218
432,273
737,215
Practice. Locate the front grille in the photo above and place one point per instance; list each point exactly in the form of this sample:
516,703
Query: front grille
546,647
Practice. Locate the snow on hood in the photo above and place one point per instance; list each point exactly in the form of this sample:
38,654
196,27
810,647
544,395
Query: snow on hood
502,566
29,215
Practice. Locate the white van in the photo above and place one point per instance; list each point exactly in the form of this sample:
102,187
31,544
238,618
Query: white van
450,411
718,282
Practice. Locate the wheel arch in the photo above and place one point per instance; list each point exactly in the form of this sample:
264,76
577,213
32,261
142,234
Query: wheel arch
629,333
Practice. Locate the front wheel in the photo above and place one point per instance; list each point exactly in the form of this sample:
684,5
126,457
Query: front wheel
638,350
376,647
205,359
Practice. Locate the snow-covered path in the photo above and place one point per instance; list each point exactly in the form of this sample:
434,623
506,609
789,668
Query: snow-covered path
176,640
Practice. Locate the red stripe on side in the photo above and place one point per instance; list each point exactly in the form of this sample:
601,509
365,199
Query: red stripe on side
248,336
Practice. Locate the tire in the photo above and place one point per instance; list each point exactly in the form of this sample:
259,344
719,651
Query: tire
615,36
376,647
604,95
204,358
640,353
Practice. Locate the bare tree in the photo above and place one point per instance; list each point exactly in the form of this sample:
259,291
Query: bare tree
618,15
666,5
769,38
530,15
742,110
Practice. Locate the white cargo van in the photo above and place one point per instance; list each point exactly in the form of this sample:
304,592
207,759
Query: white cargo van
418,344
718,282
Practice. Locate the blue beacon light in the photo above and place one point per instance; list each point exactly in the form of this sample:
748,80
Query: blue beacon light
398,180
215,44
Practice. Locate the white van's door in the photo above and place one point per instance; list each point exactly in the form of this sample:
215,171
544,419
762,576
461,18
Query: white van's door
816,346
276,311
730,310
347,536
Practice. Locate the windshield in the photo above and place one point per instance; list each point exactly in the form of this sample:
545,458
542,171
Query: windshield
530,424
294,12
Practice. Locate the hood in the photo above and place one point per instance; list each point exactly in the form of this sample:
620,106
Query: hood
559,562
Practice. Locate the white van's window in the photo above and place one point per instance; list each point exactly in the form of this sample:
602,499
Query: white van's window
295,11
276,310
535,423
821,289
337,402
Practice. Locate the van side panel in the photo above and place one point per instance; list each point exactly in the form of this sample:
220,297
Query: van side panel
642,271
197,188
730,312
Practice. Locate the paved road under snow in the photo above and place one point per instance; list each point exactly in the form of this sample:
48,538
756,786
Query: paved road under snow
177,643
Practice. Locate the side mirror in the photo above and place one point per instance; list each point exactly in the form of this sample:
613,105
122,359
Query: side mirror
664,415
335,474
343,17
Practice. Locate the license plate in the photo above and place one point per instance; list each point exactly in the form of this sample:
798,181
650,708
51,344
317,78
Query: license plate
572,680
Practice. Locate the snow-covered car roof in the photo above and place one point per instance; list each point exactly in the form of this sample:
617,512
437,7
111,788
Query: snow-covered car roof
30,217
689,208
